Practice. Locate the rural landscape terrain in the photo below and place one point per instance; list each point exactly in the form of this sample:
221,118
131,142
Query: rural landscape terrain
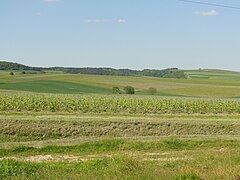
119,90
103,123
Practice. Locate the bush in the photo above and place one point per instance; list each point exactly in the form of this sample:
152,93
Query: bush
152,91
116,90
129,90
11,73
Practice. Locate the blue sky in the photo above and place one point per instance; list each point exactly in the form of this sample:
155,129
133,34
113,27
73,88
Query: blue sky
134,34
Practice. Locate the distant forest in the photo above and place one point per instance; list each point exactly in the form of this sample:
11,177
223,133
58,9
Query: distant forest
166,73
15,66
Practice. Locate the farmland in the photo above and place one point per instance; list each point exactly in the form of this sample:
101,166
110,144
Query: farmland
116,104
119,146
214,84
70,126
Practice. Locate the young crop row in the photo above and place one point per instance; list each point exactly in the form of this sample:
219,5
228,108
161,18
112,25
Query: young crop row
115,104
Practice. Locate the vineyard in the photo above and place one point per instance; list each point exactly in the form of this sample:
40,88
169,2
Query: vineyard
116,104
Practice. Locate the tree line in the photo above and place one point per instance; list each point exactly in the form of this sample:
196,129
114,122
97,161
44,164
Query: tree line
15,66
165,73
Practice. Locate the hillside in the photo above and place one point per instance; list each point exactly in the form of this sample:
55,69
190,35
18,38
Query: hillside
4,65
213,74
166,73
51,82
200,83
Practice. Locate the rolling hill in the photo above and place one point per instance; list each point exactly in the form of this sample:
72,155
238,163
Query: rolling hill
218,84
165,73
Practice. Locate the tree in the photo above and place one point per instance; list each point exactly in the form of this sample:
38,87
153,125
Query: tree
129,90
11,73
152,90
116,90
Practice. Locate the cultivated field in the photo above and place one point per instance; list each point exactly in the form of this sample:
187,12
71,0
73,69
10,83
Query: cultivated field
204,83
62,126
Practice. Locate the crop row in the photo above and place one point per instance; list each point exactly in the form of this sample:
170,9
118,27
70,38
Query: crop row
115,104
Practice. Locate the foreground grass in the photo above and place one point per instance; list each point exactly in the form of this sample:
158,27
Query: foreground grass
38,146
125,159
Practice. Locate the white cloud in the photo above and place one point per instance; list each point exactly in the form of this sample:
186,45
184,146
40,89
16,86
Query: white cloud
121,21
206,13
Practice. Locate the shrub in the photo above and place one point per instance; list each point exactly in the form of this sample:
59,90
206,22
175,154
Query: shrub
116,90
129,90
152,91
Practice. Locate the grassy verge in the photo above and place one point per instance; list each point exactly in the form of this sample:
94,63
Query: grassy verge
125,159
47,146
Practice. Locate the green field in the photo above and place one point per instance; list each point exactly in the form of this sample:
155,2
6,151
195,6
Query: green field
204,83
65,126
119,147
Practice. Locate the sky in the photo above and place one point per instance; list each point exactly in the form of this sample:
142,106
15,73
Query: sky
134,34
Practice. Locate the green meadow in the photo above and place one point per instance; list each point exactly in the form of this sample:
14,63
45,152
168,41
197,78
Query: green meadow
47,146
200,83
55,125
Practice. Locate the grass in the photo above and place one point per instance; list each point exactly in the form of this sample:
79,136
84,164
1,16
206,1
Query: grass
43,146
207,92
12,168
15,127
49,86
106,145
206,83
213,74
124,159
